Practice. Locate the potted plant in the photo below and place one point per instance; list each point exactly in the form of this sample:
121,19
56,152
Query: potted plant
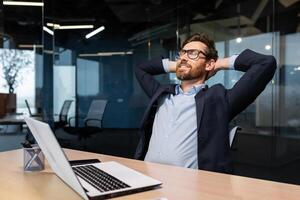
13,61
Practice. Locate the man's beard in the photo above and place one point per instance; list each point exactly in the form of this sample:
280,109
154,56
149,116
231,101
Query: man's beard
192,74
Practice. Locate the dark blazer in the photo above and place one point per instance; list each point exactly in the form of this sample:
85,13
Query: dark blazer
215,106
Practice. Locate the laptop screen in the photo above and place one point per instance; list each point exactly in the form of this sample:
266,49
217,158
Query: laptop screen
54,154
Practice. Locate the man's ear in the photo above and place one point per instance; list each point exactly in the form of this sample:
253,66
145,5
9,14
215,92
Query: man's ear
210,68
210,65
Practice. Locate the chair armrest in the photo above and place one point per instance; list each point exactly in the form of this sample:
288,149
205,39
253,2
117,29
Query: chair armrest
74,117
55,117
91,119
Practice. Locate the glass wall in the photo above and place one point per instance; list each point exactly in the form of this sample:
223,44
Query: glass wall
20,52
20,67
136,32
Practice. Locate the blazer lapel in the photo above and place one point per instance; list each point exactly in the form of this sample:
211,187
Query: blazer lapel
166,89
200,99
163,89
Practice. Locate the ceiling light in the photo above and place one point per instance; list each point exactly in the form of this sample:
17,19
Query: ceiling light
50,52
31,46
48,30
268,47
22,3
116,53
52,24
60,27
239,40
94,32
88,54
120,53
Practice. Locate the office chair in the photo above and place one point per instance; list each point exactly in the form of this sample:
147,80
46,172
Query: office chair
92,121
29,111
232,137
63,115
95,114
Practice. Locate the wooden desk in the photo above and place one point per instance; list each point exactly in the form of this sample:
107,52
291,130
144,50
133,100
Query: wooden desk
15,119
178,183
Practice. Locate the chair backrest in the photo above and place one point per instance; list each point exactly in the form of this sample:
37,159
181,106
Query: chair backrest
232,134
63,115
95,113
28,107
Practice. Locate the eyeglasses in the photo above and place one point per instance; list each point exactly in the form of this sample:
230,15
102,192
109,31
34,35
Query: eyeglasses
193,54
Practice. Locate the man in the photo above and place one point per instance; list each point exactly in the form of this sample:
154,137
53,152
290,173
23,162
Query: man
187,125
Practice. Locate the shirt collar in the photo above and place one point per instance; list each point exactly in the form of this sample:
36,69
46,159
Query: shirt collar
193,90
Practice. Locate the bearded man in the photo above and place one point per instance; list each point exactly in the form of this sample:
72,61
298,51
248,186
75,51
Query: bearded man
186,125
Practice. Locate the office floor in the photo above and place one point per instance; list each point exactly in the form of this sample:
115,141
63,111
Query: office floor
254,157
10,138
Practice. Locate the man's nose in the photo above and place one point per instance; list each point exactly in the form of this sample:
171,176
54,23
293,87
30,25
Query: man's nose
183,57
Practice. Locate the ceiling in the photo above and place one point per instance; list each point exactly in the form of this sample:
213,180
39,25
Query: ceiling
136,20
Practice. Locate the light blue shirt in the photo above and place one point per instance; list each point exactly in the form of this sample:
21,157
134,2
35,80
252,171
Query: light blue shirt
174,132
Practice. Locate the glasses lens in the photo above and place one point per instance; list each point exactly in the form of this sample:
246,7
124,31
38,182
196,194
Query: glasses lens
193,54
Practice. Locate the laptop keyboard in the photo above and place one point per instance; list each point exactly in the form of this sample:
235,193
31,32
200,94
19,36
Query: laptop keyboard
99,179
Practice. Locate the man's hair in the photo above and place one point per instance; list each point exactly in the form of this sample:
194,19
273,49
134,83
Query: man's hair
211,52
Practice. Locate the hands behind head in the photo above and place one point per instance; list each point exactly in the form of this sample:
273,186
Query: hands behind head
220,64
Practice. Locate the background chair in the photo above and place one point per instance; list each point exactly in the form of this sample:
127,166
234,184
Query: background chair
39,116
63,115
92,121
232,135
95,113
29,111
94,116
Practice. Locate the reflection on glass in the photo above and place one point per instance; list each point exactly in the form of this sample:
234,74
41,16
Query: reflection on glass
63,87
88,74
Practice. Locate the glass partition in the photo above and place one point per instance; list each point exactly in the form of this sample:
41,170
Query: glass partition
135,33
21,53
21,63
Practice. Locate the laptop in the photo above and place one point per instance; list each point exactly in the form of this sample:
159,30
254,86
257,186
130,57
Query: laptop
96,180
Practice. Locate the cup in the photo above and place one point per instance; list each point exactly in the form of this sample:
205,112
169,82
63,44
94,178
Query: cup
34,159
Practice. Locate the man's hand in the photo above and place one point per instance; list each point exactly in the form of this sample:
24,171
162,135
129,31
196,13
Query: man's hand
172,66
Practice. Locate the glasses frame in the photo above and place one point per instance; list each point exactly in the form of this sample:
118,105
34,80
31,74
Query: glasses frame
186,51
